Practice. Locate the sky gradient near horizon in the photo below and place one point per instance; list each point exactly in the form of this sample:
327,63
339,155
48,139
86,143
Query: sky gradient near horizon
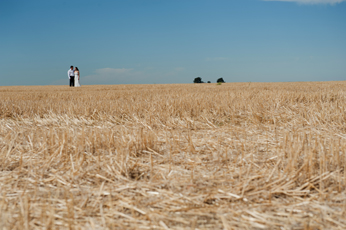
172,41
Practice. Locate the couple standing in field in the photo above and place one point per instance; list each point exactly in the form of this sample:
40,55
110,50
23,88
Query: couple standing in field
74,76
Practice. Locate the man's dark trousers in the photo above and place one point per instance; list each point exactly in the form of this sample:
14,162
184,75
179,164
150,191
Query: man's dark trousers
71,81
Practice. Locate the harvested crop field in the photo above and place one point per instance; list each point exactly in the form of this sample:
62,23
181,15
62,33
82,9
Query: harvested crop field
194,156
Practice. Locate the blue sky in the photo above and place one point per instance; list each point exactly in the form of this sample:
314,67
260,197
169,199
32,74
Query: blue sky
171,41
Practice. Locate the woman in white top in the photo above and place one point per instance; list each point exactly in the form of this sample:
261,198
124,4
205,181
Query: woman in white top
76,77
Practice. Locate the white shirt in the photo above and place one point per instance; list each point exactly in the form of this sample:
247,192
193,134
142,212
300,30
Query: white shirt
70,73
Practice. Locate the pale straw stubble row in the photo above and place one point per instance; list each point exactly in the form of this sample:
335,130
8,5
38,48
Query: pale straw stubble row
206,156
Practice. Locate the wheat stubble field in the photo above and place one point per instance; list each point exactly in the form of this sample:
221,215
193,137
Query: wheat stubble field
203,156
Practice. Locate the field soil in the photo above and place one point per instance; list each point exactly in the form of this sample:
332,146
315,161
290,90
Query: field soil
187,156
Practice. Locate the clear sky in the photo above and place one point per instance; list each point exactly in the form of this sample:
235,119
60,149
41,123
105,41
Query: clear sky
171,41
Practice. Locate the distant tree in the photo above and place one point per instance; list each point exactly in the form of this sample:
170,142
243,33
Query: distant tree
209,82
198,80
220,80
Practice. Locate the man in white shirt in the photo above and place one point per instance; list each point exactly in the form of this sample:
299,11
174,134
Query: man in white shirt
70,75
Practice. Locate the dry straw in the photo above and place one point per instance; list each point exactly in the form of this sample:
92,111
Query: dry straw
235,156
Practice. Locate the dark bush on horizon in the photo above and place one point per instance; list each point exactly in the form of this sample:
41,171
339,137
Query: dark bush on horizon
220,80
198,80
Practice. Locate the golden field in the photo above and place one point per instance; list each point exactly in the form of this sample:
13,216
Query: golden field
193,156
